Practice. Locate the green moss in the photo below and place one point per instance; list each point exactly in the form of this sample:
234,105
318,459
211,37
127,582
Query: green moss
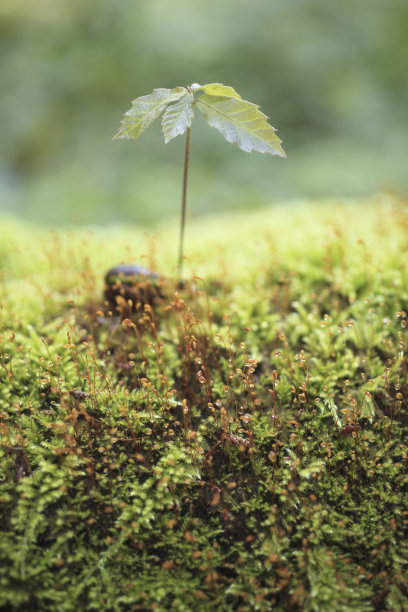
239,445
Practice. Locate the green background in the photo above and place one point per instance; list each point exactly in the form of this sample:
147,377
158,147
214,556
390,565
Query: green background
332,77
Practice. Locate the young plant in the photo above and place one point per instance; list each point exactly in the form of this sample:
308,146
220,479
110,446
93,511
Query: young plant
239,121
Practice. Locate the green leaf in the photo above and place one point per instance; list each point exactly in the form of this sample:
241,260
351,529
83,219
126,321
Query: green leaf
219,89
241,123
313,468
334,411
178,117
367,409
146,109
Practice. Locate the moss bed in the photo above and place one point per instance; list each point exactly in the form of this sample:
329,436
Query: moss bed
241,444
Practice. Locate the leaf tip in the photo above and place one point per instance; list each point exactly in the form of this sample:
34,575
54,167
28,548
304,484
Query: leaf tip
121,133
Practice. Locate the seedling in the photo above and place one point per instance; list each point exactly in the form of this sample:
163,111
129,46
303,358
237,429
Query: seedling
239,121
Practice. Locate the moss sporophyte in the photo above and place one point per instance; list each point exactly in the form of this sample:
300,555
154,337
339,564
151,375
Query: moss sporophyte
238,120
235,444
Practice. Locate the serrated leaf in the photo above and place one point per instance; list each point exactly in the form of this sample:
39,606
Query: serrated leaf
241,123
146,109
178,117
219,89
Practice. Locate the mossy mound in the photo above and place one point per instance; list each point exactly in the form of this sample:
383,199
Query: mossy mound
240,444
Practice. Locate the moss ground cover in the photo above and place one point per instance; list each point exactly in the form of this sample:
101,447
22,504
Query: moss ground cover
240,444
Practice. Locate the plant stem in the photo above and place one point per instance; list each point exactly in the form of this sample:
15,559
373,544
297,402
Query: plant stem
183,204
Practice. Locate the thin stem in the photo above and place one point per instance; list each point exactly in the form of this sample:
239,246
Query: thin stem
183,204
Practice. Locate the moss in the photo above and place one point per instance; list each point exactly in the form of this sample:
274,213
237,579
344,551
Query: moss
240,444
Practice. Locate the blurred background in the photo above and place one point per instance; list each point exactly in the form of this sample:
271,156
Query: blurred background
332,77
